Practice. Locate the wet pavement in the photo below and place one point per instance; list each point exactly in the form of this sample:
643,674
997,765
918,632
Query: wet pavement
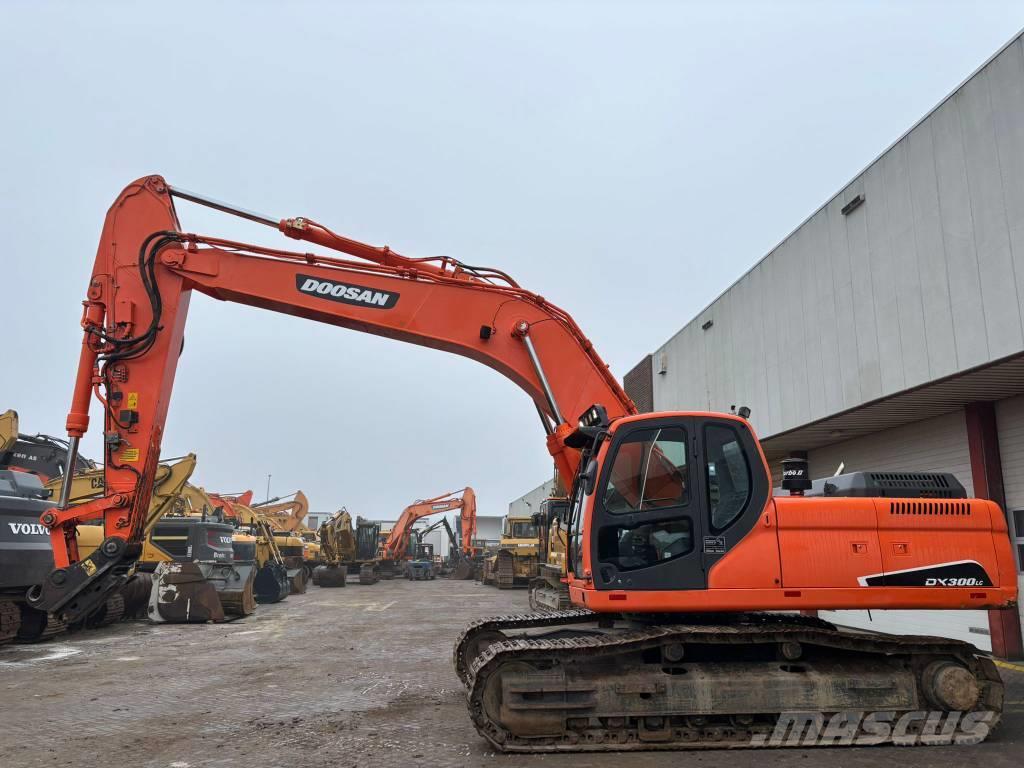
360,676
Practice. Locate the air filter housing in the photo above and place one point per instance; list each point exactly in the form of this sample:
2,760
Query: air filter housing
892,485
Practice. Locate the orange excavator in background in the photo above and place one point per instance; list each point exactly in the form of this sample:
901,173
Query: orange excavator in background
397,550
680,555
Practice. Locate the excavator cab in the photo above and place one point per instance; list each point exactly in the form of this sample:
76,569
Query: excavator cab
666,497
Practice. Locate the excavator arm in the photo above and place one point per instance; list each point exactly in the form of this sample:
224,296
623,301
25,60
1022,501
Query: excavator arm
8,430
134,322
285,515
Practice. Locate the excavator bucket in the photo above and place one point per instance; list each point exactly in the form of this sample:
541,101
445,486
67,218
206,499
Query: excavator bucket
330,576
182,595
235,586
463,571
297,581
135,594
271,584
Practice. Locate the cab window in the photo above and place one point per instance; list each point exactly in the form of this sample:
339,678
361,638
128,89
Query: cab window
728,475
649,472
524,530
645,544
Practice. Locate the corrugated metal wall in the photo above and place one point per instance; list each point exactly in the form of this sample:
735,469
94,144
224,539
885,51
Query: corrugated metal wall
1010,423
923,280
933,445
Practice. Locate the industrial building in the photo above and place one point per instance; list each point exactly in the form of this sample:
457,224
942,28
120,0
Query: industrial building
529,502
900,342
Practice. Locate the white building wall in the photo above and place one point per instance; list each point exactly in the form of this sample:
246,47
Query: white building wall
938,444
923,280
1010,424
529,502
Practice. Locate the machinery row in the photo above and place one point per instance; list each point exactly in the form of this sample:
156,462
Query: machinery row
205,556
692,580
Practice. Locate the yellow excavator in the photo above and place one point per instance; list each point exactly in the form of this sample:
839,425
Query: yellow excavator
286,515
254,541
340,550
187,571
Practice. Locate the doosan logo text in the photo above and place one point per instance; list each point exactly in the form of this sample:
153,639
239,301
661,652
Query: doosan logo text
346,293
29,529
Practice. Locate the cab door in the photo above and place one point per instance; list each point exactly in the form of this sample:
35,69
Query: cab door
735,488
646,520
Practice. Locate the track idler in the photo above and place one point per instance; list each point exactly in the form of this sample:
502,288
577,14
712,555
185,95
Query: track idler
330,576
182,594
271,584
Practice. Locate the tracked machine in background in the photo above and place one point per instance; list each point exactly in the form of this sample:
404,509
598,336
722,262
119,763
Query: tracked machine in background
679,555
514,563
341,552
254,541
399,548
549,590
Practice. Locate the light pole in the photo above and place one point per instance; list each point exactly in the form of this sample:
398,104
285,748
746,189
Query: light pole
268,486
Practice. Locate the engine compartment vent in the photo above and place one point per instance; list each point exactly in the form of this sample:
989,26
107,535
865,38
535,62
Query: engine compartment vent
929,508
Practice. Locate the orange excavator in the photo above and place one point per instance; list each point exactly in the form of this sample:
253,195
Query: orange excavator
686,570
396,549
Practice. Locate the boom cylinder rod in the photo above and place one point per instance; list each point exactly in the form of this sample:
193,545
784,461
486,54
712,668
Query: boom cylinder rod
549,395
69,472
218,205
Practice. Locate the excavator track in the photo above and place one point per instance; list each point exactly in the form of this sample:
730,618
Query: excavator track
480,633
111,612
10,620
37,626
623,684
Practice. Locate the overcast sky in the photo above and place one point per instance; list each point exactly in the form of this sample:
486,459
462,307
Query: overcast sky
628,161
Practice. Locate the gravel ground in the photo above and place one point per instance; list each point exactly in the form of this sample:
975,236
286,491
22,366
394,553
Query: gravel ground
359,676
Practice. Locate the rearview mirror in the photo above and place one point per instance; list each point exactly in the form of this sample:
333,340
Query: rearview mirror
590,477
